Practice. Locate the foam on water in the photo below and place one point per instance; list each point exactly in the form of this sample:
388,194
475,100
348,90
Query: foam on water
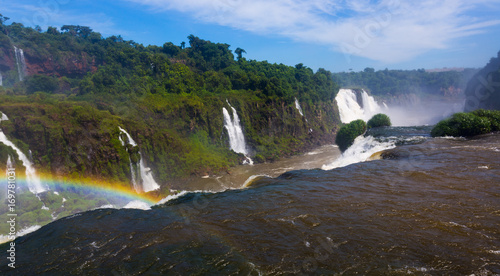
20,233
360,151
172,197
137,204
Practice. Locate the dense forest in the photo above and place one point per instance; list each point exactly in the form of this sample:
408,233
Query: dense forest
78,87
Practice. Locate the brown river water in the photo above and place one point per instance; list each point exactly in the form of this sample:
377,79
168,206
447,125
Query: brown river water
431,207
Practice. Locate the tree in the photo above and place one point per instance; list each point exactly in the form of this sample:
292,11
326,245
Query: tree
52,30
347,134
239,52
379,120
77,30
183,45
3,19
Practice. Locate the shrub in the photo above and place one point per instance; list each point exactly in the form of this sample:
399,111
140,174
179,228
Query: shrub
492,115
349,132
468,124
379,120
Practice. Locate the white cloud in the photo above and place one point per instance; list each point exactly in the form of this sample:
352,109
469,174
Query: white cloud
385,30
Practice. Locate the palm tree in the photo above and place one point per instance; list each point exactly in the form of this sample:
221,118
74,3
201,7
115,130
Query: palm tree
239,52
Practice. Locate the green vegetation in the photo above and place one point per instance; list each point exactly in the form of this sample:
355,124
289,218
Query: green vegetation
349,132
379,120
468,124
81,86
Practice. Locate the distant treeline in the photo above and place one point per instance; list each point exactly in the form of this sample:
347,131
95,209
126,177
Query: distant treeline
126,67
396,82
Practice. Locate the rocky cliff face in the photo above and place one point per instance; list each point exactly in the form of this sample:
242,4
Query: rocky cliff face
483,90
43,59
71,140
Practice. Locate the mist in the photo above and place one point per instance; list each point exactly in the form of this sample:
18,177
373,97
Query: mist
423,113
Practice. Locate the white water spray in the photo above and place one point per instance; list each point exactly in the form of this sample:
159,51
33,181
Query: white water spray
350,109
20,62
3,117
34,184
360,151
148,182
297,105
1,79
236,136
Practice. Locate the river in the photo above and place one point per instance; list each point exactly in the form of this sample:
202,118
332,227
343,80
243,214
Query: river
432,207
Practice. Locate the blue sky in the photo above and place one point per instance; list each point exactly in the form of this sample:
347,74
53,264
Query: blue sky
335,35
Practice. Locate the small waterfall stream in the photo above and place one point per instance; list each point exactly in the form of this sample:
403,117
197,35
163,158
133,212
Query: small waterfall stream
235,131
34,183
1,79
299,108
146,176
20,62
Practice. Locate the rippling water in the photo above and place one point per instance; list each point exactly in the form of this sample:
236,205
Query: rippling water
432,207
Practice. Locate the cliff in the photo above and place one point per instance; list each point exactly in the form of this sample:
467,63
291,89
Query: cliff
77,89
483,90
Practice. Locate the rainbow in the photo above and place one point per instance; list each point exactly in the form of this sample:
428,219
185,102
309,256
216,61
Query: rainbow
103,187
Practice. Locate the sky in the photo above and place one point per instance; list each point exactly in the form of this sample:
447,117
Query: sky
338,35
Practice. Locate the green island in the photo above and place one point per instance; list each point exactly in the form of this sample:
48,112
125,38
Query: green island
468,124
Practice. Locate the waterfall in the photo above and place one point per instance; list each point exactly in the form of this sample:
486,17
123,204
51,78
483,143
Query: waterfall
3,117
297,105
236,136
10,163
148,182
1,79
353,107
34,184
20,62
146,175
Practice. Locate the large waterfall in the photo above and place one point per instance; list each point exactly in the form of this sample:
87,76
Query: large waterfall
354,106
236,136
20,62
146,175
34,183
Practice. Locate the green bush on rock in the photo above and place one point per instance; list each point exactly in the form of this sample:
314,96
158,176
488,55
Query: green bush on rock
349,132
379,120
468,124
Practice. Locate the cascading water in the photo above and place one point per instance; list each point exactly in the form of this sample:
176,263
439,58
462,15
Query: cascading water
148,182
236,136
34,183
1,79
351,109
3,117
20,62
10,164
297,105
360,151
